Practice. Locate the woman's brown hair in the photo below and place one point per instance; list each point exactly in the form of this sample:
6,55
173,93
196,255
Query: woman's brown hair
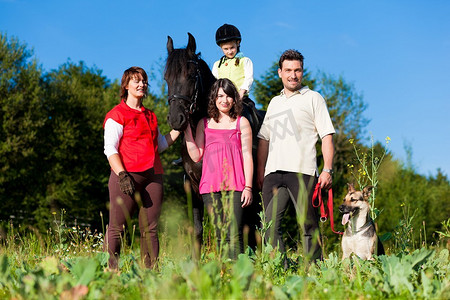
128,75
231,91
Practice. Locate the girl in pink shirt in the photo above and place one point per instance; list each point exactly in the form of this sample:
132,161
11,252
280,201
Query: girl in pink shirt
224,142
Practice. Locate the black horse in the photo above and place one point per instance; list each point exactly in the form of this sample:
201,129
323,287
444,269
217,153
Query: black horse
189,80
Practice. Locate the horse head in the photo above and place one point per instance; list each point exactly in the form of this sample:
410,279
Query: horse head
188,84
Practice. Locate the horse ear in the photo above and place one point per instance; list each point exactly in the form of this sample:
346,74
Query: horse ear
169,44
191,47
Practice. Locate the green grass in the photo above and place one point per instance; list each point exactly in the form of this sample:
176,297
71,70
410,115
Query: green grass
68,263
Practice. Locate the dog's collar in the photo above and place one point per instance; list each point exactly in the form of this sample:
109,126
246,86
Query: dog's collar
365,226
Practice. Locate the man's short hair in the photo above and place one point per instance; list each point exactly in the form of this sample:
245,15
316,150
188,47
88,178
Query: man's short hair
290,54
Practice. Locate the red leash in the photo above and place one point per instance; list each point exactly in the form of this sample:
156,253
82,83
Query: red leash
324,212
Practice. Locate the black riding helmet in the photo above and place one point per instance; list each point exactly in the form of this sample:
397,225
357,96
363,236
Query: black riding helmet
226,33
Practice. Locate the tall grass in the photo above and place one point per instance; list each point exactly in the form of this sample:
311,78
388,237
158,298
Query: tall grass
67,262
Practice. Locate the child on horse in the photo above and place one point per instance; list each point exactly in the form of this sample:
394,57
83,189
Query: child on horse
239,69
233,64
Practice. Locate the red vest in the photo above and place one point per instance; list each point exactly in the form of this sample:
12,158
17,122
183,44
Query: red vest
138,147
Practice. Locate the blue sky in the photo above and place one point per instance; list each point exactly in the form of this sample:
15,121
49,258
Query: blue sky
395,53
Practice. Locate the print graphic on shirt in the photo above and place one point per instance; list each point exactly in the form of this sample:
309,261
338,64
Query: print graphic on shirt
283,124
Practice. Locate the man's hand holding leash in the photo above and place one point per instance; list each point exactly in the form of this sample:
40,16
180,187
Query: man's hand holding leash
326,179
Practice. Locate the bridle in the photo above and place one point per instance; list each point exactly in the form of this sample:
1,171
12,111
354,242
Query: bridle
193,99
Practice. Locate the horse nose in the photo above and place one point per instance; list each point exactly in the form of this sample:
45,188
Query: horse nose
177,121
181,119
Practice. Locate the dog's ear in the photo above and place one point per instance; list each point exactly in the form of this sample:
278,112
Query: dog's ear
367,191
351,188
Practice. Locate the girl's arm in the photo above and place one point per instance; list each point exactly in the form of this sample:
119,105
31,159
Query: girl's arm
195,146
246,141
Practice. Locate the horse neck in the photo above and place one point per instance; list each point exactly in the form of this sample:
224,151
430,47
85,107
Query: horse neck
208,80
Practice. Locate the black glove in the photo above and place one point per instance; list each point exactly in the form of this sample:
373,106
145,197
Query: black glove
126,183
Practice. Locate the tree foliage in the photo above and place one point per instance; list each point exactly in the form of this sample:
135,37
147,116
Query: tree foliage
51,145
76,101
51,150
22,121
405,194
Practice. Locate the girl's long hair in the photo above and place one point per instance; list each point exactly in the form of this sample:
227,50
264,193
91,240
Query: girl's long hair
231,91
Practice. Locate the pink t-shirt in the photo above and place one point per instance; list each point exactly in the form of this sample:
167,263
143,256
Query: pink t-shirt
223,163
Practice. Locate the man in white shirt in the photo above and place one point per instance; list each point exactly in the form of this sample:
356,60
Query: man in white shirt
294,121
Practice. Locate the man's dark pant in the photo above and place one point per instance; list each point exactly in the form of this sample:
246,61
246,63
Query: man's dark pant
300,189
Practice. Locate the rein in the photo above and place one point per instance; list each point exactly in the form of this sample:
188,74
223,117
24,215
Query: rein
192,100
325,211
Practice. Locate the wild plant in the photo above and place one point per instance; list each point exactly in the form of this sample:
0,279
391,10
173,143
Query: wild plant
444,235
367,171
403,235
222,218
269,259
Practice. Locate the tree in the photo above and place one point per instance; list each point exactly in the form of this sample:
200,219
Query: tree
76,172
414,199
22,119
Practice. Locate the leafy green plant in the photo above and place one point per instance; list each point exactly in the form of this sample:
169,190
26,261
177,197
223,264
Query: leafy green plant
403,232
80,273
367,170
446,228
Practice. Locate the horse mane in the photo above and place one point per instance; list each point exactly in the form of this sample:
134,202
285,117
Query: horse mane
177,63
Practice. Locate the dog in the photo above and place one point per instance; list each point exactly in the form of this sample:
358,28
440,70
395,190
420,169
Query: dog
360,237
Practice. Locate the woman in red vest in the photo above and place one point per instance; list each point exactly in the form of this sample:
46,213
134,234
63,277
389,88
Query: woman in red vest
132,145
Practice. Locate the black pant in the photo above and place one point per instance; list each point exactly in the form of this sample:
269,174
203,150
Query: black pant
299,188
222,216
